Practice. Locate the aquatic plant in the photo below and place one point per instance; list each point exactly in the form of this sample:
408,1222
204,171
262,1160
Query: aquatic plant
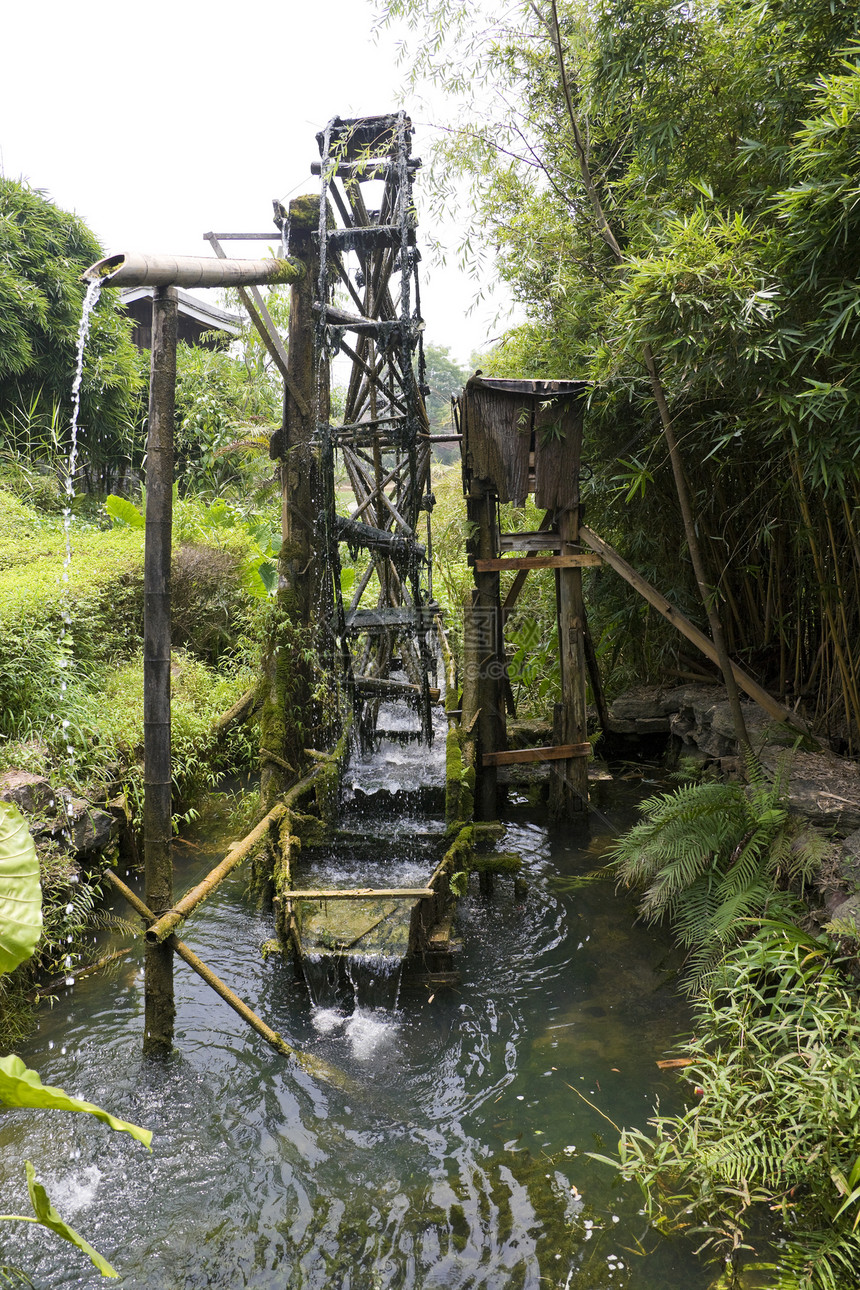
771,1135
712,856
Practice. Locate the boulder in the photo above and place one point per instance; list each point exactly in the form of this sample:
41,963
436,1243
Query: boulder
822,786
86,828
32,794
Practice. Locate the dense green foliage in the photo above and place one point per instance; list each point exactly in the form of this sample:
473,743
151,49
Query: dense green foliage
43,252
771,1132
722,142
714,856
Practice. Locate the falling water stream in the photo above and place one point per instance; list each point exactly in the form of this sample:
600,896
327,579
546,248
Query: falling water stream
458,1155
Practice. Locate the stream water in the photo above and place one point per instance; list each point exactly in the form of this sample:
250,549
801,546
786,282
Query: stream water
458,1157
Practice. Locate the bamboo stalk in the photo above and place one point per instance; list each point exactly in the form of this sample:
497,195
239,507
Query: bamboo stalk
167,923
311,1064
159,1003
360,893
706,592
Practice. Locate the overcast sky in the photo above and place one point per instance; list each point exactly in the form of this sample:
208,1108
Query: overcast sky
158,121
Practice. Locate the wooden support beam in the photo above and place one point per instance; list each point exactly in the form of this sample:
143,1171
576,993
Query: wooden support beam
363,893
540,541
159,1005
519,581
525,756
683,624
569,787
265,327
384,687
578,560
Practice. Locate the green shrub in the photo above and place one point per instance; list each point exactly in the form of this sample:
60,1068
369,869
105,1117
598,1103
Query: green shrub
199,695
712,856
771,1137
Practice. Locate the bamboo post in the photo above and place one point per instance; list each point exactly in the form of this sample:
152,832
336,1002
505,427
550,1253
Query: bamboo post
569,782
160,1008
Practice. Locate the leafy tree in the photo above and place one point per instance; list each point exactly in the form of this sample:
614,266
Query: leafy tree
686,189
43,252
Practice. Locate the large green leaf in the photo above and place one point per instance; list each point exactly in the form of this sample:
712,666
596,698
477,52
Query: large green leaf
48,1217
20,893
120,508
20,1086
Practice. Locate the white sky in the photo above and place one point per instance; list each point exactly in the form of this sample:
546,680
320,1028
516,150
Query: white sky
159,120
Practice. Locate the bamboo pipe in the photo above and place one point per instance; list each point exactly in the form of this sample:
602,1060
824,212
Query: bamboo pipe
133,269
312,1065
167,923
157,775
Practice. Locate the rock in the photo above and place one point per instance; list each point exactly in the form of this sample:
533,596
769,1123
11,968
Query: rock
32,794
847,913
89,828
822,787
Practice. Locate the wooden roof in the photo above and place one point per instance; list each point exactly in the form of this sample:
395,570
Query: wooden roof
522,436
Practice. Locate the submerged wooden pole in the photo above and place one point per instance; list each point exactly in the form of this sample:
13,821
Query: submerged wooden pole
160,1009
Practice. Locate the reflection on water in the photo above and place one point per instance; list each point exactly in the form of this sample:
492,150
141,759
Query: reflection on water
457,1159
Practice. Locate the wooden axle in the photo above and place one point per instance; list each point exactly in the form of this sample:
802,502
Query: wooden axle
524,756
581,560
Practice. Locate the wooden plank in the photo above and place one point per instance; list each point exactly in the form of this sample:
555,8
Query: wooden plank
538,541
524,756
519,581
699,639
580,560
362,893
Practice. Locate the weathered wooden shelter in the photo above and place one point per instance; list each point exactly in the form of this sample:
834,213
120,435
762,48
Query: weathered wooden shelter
522,437
198,322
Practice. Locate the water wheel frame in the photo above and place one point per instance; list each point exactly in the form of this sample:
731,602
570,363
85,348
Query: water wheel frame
375,459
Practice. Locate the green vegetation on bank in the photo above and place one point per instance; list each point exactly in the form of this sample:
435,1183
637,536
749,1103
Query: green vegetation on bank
71,668
763,1166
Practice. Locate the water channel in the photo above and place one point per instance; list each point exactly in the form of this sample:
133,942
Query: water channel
458,1156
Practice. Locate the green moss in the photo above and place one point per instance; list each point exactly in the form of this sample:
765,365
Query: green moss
459,779
305,213
497,862
310,828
